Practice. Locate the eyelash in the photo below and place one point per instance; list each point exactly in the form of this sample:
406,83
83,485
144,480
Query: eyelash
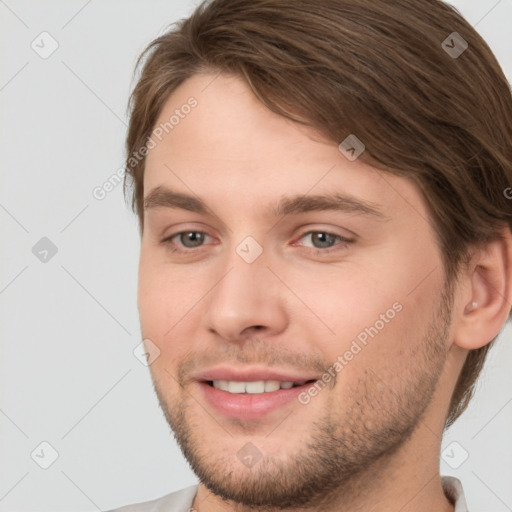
344,242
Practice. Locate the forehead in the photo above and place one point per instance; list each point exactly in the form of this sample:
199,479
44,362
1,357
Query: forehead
228,123
230,144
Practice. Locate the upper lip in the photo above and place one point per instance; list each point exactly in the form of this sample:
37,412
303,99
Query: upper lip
250,375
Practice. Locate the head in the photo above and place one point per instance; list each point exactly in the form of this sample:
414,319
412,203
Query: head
243,107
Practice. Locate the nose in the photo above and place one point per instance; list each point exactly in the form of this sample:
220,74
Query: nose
247,300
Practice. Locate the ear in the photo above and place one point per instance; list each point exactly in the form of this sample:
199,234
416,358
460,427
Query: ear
484,305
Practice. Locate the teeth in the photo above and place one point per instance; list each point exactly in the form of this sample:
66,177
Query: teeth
221,384
253,387
256,387
236,387
272,385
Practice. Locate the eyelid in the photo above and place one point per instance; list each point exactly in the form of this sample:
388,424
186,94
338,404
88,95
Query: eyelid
329,230
167,239
343,241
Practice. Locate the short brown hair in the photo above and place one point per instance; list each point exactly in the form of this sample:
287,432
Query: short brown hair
377,69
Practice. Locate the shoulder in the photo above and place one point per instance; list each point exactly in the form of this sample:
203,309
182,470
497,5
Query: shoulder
177,501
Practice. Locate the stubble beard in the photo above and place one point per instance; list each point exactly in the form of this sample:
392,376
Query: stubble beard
345,444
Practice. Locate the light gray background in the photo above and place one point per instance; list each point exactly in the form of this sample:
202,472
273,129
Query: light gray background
69,326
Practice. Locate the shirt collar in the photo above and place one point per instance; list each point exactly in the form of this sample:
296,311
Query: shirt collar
454,492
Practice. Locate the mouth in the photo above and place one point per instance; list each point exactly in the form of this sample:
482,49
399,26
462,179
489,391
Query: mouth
252,400
255,387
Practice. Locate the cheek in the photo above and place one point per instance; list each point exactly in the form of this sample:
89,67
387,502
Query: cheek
151,301
156,290
168,313
352,301
156,299
377,320
375,365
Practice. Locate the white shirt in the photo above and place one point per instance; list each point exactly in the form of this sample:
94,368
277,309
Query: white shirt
181,501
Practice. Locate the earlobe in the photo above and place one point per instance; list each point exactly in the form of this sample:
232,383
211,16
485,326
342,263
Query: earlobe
485,307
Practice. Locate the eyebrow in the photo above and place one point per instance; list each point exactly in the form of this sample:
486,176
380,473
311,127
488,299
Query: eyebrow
167,198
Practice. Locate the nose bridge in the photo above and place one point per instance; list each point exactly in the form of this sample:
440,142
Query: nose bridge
246,295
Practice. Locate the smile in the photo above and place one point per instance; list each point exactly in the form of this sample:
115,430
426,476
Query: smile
254,387
251,400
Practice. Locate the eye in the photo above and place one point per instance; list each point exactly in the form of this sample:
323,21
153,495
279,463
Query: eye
323,241
189,239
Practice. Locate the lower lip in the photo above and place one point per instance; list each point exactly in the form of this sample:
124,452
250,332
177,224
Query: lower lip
249,406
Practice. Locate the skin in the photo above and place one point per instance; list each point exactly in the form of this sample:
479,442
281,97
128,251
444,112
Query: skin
370,440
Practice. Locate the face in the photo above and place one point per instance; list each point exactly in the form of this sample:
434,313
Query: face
245,281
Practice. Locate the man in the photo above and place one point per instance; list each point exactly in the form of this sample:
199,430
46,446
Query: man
326,254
